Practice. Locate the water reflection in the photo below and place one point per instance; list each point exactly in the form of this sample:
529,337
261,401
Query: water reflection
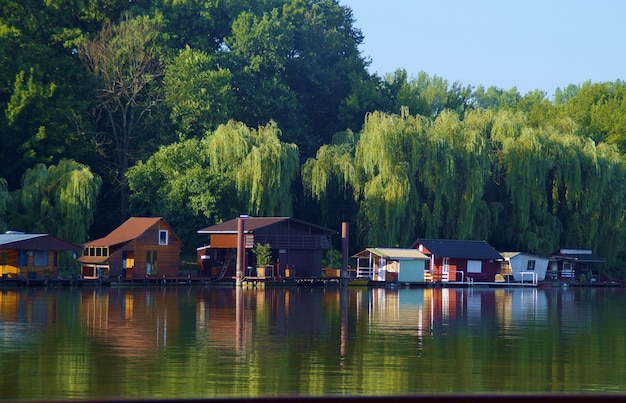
211,342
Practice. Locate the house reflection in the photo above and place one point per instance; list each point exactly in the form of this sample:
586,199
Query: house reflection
131,322
433,311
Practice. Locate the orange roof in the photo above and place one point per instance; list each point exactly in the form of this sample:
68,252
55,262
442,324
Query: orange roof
129,230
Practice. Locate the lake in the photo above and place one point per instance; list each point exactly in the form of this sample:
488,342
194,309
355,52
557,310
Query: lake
232,342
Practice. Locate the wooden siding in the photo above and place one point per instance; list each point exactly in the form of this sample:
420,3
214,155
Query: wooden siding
134,252
30,269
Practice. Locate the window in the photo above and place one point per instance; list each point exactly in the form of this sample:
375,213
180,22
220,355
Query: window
474,266
530,265
151,262
41,258
163,237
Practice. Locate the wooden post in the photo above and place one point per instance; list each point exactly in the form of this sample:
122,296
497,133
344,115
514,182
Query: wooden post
240,251
344,250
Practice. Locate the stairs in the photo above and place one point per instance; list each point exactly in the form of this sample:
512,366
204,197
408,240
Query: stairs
225,265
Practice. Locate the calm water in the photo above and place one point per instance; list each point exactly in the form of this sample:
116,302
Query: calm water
180,342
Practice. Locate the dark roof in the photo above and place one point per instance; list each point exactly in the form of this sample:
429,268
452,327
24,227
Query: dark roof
580,255
24,241
253,223
129,230
459,249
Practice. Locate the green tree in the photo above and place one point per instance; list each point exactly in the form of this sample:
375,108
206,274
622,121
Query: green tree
299,65
124,61
40,87
230,171
58,199
198,92
261,167
176,183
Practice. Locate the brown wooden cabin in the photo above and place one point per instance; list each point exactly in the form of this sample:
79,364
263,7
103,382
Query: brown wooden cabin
458,260
297,247
141,247
574,264
25,255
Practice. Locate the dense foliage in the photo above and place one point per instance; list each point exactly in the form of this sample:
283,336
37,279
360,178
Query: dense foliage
199,110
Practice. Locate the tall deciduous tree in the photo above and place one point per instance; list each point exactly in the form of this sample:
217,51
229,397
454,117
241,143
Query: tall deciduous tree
230,171
58,199
124,61
176,182
40,86
198,91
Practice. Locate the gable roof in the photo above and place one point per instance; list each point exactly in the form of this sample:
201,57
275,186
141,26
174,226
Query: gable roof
128,230
253,223
392,253
24,241
459,249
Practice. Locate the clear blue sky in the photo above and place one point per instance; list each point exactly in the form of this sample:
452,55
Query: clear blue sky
530,44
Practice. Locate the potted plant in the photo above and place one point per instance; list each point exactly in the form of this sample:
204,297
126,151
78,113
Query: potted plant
263,253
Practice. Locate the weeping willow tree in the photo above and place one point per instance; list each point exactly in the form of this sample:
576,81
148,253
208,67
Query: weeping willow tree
261,167
454,168
328,177
588,191
59,200
562,190
386,158
527,220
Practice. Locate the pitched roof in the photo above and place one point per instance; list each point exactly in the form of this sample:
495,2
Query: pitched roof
129,230
21,240
393,253
462,249
253,223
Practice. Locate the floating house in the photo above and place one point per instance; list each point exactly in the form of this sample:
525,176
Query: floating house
25,255
142,247
391,265
574,265
459,260
296,246
523,267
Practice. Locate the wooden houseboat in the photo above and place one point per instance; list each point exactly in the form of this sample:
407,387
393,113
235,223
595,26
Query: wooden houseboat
569,265
296,246
459,260
391,265
24,255
142,247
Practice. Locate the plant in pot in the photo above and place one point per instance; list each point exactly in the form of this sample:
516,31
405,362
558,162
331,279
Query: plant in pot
263,253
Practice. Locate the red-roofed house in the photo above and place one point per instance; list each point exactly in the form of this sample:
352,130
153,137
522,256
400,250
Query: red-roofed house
140,247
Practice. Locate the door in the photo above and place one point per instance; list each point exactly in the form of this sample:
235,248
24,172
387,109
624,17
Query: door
445,269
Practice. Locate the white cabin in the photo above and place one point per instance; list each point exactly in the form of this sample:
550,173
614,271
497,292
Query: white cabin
525,266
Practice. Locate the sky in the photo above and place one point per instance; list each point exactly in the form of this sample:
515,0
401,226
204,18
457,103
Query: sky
530,44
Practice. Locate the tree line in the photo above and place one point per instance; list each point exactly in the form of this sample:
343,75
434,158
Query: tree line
200,110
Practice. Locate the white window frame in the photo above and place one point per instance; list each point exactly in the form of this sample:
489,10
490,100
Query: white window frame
161,240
